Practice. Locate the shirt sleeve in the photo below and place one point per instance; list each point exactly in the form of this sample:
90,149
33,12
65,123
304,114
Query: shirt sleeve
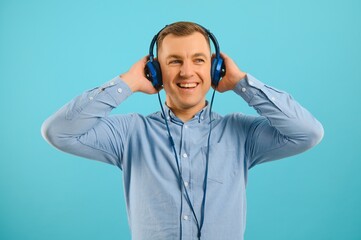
284,127
83,127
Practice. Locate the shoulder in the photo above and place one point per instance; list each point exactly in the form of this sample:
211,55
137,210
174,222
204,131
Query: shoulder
237,117
239,120
134,117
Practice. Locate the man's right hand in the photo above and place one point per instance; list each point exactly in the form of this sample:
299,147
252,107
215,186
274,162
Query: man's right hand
136,80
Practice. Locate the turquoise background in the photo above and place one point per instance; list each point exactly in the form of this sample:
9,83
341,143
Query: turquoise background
50,51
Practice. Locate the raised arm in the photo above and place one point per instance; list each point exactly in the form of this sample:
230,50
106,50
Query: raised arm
284,127
83,127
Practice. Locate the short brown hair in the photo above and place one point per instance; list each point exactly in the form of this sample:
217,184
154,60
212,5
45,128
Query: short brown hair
181,29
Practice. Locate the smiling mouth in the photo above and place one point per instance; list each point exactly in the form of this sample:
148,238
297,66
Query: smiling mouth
187,85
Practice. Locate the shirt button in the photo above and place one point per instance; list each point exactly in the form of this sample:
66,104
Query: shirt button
273,98
185,126
185,155
186,184
90,98
111,83
244,89
120,90
185,217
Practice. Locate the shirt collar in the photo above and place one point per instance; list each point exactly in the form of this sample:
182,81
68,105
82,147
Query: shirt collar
200,116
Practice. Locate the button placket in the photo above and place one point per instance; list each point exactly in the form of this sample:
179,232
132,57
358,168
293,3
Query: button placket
185,158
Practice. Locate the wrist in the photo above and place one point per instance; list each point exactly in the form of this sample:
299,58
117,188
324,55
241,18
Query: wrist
241,76
237,78
129,80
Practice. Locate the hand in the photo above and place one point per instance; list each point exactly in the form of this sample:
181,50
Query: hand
232,77
136,80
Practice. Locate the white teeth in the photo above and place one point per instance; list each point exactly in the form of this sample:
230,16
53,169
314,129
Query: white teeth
187,85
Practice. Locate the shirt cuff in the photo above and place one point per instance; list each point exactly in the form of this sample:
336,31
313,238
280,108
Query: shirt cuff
116,89
248,87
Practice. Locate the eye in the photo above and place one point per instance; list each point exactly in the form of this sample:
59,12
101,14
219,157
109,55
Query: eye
174,61
199,60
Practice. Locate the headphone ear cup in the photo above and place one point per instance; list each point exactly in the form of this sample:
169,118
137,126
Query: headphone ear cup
218,70
153,73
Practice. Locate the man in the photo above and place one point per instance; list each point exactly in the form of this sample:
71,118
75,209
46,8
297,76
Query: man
188,183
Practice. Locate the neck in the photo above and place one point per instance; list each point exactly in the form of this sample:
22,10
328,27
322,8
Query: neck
186,114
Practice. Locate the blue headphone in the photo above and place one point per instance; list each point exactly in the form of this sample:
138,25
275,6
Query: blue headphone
153,72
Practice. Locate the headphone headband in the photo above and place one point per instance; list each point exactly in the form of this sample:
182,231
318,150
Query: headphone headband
210,35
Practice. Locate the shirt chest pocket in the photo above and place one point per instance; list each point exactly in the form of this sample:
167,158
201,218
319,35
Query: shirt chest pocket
223,163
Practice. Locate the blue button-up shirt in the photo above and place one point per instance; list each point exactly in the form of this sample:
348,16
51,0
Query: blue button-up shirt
139,145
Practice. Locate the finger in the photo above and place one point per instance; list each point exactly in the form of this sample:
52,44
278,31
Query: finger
145,59
223,55
225,58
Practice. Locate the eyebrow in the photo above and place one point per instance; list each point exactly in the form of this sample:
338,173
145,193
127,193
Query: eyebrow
174,56
200,55
179,57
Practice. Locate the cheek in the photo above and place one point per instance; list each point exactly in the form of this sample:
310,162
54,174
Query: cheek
167,79
206,71
206,74
168,75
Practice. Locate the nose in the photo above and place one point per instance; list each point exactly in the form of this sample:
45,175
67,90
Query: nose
186,69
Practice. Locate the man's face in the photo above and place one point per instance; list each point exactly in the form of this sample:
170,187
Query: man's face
185,63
